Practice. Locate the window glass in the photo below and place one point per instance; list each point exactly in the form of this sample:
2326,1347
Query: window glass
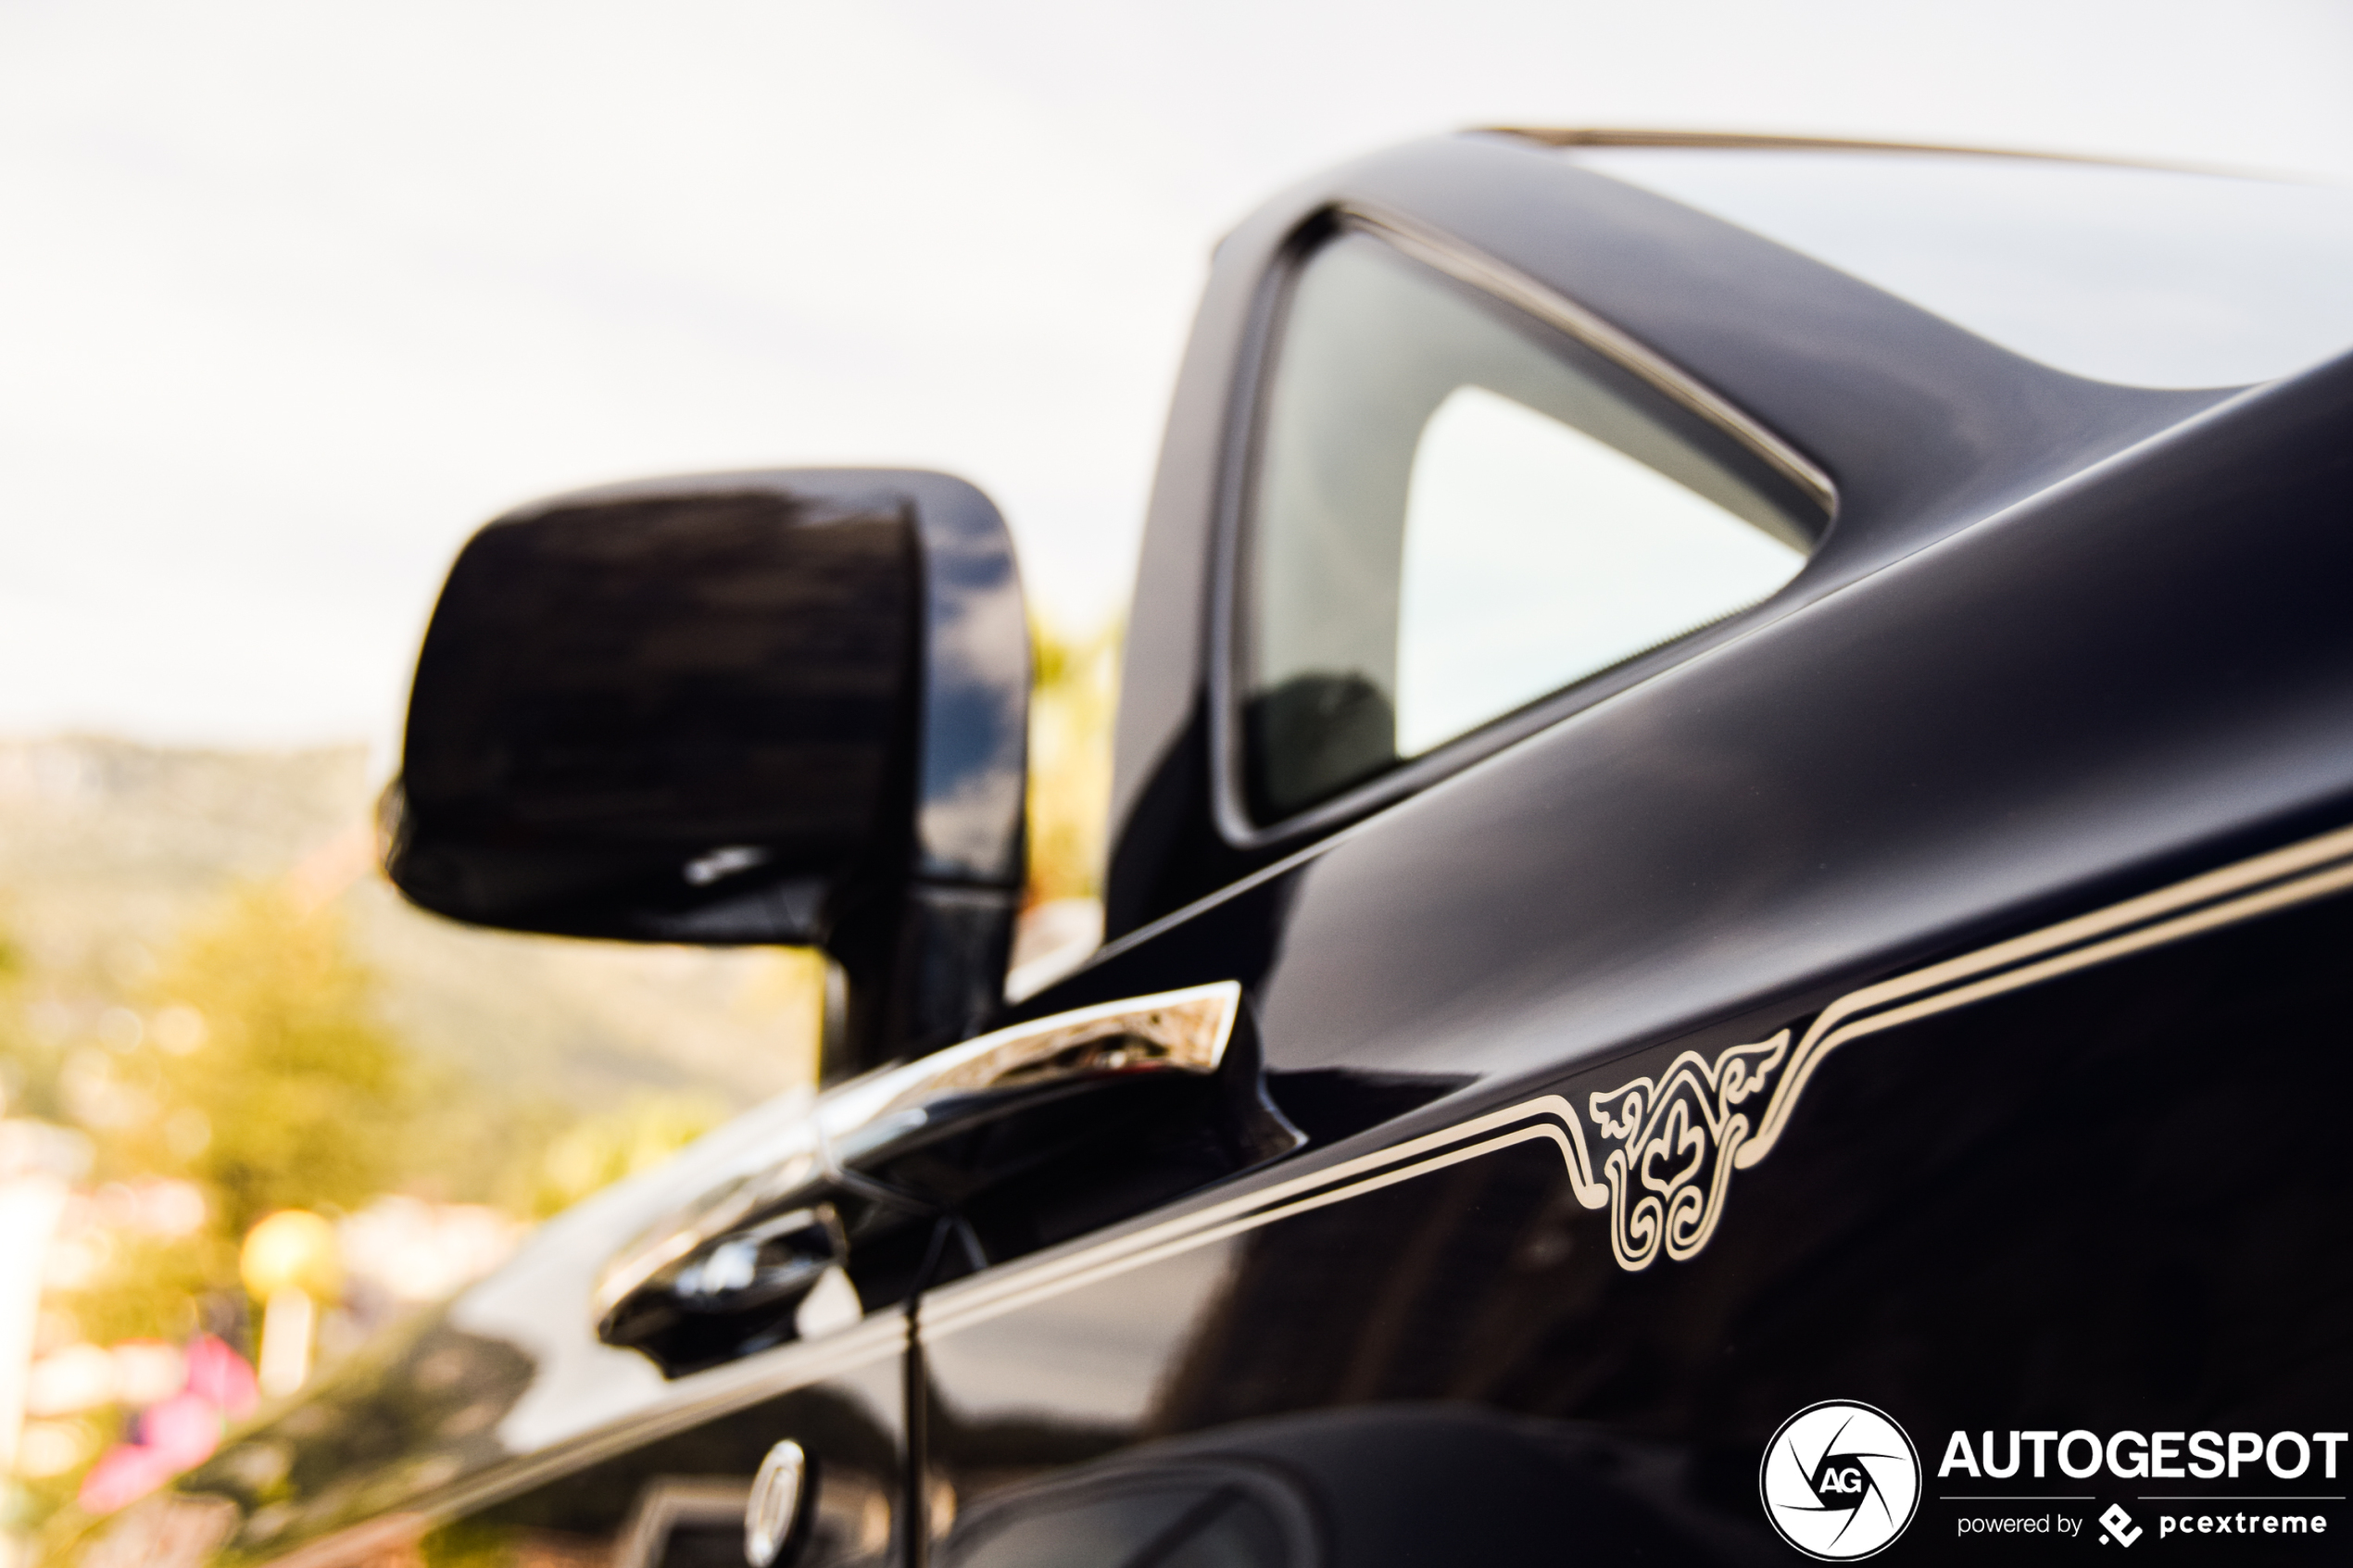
1456,511
1535,554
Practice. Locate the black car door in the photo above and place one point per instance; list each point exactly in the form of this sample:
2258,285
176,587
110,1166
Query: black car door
1848,1002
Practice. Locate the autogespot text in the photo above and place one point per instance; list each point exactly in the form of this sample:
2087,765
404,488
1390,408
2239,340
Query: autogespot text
2133,1456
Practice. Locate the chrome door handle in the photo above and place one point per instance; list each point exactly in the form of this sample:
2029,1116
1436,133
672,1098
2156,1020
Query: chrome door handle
765,1236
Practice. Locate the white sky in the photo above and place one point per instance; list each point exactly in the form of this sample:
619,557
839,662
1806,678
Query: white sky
294,293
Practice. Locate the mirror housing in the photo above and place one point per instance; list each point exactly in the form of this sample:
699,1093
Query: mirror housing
782,706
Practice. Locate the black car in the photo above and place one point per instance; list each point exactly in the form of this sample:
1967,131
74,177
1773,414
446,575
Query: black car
1727,932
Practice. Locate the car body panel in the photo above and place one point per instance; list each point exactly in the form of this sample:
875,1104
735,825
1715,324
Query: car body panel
2018,1214
1923,428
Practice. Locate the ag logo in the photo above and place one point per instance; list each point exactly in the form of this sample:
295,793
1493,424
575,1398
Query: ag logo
1840,1480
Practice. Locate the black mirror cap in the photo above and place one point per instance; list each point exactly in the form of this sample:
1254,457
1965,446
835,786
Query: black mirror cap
782,706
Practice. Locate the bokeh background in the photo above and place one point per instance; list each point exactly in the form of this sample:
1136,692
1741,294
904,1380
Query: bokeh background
293,295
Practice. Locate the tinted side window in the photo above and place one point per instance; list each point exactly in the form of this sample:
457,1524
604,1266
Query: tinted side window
1456,510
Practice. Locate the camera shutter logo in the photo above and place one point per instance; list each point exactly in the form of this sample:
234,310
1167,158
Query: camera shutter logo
1840,1480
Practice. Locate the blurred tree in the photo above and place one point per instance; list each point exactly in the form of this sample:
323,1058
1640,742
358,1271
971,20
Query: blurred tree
1070,723
28,1063
151,1288
273,1085
472,1141
258,1073
601,1150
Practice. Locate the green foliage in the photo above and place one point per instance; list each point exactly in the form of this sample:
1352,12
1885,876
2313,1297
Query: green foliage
1070,729
151,1288
603,1150
28,1068
37,1500
469,1143
304,1098
471,1543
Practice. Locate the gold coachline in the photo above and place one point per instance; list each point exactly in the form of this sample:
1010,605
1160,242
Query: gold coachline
1670,1146
1667,1147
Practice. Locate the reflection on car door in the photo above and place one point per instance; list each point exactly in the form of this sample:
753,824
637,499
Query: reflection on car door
1991,1197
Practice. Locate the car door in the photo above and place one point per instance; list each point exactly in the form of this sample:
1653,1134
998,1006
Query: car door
1806,986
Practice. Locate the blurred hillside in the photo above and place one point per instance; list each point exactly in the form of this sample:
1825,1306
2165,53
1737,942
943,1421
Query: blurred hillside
109,849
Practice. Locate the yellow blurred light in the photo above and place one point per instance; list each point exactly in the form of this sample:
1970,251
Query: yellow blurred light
292,1249
52,1447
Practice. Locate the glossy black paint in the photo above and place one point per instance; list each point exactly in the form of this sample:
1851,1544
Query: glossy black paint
1923,428
775,707
2063,644
2111,1202
669,712
2133,672
1357,1488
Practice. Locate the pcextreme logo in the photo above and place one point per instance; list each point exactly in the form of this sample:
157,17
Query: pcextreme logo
1840,1480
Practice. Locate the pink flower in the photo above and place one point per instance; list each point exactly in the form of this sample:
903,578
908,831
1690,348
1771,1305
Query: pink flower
183,1429
219,1375
176,1433
129,1471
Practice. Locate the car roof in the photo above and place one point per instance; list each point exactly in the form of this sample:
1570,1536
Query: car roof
1774,142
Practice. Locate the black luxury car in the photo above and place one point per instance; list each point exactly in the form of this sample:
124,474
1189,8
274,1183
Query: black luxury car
1729,937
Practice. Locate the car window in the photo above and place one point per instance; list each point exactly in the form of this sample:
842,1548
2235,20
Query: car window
1456,510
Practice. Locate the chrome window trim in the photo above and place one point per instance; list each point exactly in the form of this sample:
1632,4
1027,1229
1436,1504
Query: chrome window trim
1442,253
1428,246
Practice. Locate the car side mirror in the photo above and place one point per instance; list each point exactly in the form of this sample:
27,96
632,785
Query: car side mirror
783,706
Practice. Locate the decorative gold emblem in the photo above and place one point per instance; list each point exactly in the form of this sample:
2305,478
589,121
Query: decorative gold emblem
1671,1146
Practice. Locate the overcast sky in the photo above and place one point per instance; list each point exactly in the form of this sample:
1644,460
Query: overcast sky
295,294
